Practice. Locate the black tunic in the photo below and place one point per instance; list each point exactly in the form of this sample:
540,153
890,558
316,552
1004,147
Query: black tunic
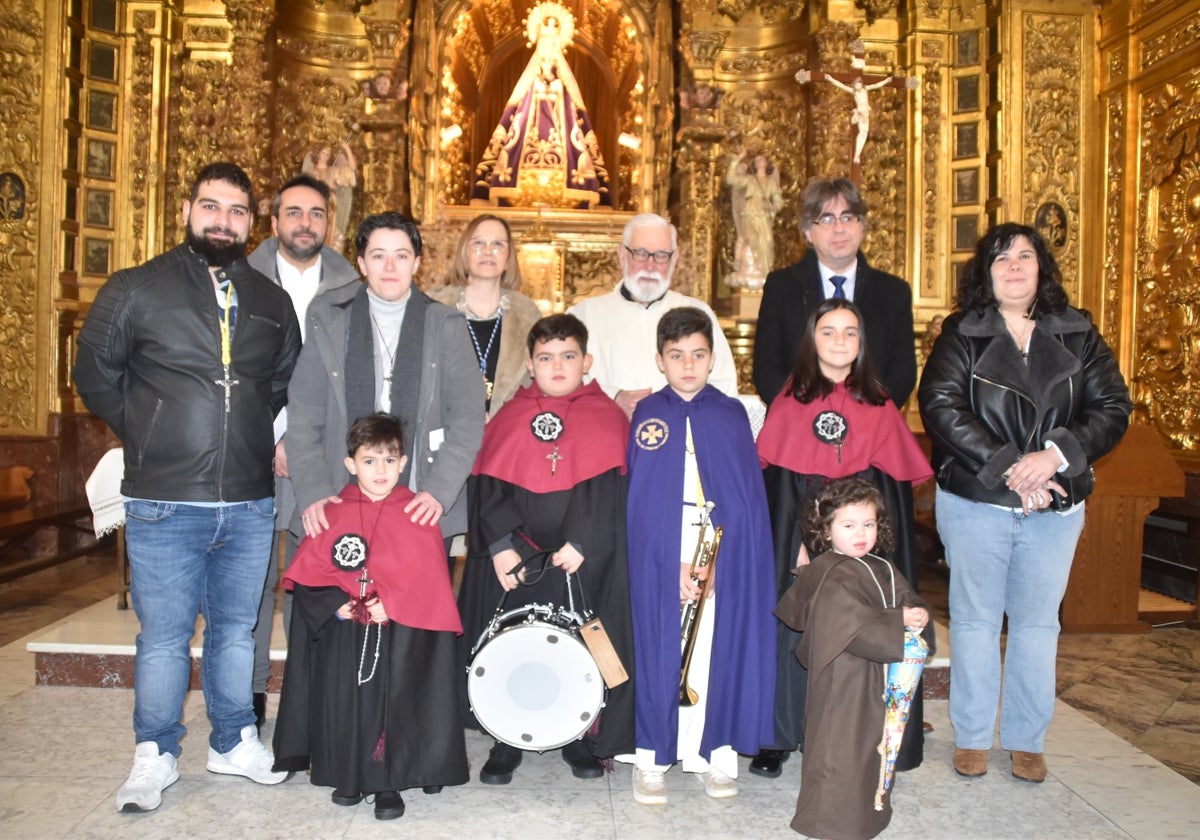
401,729
591,515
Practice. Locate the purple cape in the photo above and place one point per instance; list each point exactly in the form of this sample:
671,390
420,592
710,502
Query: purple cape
742,678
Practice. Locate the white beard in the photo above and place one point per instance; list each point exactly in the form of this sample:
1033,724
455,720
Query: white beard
643,290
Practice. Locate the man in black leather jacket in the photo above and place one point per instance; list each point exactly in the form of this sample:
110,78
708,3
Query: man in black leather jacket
187,359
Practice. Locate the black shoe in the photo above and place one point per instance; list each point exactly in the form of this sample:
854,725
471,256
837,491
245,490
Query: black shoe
341,797
432,789
502,761
769,763
260,709
584,765
388,805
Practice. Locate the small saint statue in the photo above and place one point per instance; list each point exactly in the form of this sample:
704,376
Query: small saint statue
339,175
757,199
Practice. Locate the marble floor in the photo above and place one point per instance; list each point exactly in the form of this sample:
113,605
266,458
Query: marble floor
67,750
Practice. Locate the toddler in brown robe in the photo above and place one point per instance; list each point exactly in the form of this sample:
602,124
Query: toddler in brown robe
852,607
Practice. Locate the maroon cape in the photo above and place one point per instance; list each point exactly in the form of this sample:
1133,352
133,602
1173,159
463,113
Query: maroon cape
406,561
876,436
592,440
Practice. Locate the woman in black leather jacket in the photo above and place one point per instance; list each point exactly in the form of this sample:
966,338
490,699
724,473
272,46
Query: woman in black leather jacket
1019,397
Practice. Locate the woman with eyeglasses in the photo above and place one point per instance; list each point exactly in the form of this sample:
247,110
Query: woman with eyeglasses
484,285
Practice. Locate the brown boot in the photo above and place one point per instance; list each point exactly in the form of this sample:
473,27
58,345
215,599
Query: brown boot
1028,766
970,763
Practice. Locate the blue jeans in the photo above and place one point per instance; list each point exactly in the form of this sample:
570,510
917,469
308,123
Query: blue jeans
1004,563
185,559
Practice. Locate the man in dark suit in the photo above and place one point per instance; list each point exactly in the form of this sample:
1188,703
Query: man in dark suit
834,221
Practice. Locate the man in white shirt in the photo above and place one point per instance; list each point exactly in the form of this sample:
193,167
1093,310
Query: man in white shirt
623,324
298,259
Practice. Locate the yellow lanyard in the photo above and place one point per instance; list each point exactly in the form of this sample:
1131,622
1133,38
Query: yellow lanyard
226,337
227,345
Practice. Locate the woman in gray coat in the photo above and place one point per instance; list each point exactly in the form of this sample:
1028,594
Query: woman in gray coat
385,346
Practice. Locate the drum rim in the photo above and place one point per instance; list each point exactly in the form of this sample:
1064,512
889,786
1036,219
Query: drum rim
495,626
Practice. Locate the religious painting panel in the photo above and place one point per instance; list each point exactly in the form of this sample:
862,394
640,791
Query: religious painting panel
101,157
104,15
966,94
12,197
966,140
97,208
1051,222
966,232
966,53
96,256
966,186
102,61
102,110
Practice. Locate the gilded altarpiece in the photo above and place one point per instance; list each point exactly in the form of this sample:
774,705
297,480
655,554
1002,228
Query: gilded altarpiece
466,58
1042,124
267,84
1152,233
24,219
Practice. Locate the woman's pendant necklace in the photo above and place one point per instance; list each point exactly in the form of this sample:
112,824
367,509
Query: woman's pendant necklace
390,354
482,353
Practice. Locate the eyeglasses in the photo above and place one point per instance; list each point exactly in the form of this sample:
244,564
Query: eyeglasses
642,255
830,219
480,246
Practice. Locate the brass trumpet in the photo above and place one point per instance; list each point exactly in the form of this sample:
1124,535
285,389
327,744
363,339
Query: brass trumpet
704,557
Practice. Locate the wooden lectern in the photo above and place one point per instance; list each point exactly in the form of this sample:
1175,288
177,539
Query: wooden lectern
1102,595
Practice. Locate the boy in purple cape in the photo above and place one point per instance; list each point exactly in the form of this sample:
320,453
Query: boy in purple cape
691,445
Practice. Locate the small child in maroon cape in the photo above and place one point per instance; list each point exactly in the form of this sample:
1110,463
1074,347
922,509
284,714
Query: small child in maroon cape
853,608
370,701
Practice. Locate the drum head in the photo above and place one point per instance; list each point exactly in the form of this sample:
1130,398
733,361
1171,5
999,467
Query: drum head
535,686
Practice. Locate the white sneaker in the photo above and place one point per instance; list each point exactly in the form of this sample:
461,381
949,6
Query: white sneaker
249,758
152,773
649,787
718,785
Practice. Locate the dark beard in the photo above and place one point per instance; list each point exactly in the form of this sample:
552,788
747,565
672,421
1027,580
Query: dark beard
301,254
216,255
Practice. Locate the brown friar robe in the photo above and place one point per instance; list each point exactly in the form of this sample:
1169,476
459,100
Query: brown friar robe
853,625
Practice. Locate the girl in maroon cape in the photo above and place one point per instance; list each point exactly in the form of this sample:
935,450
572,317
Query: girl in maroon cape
832,419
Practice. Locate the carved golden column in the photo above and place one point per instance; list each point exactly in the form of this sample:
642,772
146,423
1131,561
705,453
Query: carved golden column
1040,135
1159,192
385,186
946,49
28,162
698,166
698,149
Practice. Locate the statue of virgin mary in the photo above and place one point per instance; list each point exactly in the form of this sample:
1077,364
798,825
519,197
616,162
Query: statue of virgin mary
544,151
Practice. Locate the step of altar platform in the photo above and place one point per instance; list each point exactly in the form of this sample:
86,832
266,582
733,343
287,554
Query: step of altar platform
94,648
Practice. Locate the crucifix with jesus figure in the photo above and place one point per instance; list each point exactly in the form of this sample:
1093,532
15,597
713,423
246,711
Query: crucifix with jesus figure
858,84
